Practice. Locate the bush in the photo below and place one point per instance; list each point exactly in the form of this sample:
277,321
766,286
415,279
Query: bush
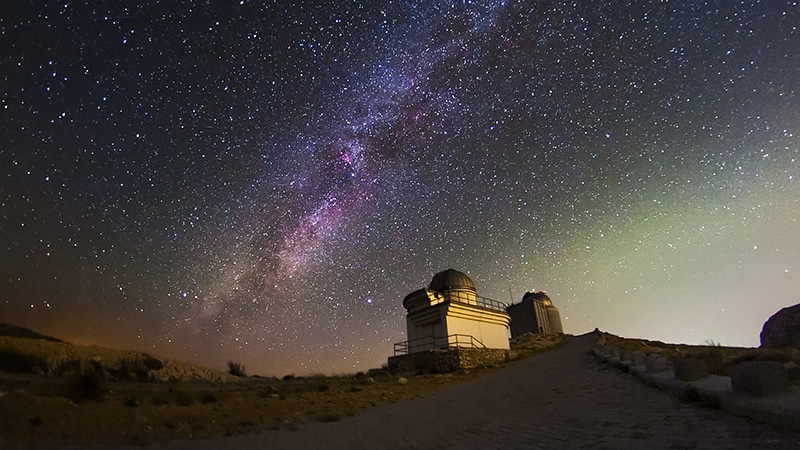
152,363
16,362
85,385
236,369
132,368
183,398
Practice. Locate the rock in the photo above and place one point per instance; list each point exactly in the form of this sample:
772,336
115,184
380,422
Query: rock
760,378
690,369
402,380
794,372
656,363
637,358
782,329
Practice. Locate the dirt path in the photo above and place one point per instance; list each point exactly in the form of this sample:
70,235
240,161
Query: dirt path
560,399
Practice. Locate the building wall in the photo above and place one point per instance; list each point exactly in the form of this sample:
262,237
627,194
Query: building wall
489,327
531,316
423,326
523,319
444,319
554,320
443,361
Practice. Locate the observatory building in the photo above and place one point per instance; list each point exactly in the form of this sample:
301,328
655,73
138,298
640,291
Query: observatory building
534,314
450,314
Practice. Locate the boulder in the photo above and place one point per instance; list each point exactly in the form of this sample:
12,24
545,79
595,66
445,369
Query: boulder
656,363
637,358
782,329
690,369
760,378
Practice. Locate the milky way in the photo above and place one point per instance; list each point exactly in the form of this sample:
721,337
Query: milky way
264,182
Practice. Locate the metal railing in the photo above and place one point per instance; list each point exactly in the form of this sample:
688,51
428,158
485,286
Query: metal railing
436,343
473,299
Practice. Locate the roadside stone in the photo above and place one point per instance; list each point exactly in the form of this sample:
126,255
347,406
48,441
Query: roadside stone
690,369
656,363
794,372
760,378
637,358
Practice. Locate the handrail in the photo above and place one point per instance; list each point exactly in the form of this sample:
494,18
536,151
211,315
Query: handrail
471,298
436,343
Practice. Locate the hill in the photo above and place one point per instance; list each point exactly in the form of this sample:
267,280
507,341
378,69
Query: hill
25,351
6,329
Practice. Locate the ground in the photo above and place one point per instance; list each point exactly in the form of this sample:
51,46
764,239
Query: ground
90,395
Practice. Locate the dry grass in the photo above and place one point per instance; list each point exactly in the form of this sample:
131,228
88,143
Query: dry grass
78,407
36,409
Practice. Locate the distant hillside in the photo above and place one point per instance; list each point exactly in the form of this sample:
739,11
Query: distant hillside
21,332
25,351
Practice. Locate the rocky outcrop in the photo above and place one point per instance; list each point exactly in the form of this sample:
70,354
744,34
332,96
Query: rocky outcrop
782,329
760,378
61,359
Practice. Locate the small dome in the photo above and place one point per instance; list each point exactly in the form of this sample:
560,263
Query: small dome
451,279
540,296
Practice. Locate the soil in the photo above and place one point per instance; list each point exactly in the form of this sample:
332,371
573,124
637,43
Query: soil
89,395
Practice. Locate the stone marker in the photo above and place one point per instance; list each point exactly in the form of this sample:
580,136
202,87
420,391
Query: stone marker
760,378
690,369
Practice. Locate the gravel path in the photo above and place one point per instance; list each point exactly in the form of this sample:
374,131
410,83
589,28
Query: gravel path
560,399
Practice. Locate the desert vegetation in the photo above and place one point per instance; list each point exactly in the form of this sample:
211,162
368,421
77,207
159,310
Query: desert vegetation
52,392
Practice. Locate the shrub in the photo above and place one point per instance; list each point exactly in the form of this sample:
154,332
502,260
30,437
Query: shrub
330,417
85,385
183,398
132,368
16,362
236,369
152,363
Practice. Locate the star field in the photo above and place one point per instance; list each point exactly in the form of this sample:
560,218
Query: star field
265,181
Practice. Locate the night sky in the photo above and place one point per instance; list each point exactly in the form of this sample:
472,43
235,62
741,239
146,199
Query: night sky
264,182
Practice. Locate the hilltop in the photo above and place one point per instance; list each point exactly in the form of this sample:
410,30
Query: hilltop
54,392
6,329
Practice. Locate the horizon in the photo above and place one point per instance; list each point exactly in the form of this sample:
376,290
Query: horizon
266,183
